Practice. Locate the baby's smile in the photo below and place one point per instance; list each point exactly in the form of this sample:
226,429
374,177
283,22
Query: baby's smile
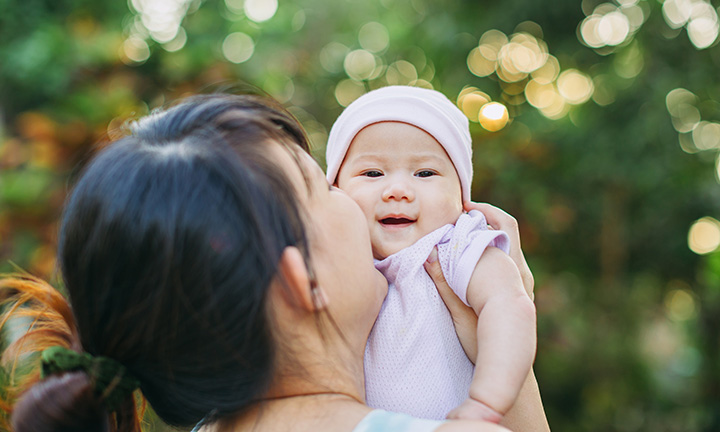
396,221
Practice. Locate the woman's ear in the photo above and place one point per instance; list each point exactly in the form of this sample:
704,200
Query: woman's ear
298,289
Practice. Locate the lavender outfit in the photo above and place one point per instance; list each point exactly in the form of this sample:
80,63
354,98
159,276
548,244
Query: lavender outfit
414,362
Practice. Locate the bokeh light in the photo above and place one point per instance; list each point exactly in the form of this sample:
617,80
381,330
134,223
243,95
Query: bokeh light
678,97
280,87
482,61
528,72
613,28
629,62
260,10
347,91
548,72
238,47
703,31
698,16
681,104
540,95
604,93
676,13
557,109
360,64
575,86
178,42
687,144
135,50
374,37
424,84
401,72
235,6
161,18
704,236
523,54
470,101
332,56
706,136
680,305
610,25
493,116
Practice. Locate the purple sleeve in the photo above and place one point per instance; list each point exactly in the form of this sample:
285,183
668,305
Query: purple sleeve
461,248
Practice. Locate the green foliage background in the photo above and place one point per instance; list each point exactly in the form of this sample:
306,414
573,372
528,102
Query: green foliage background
629,316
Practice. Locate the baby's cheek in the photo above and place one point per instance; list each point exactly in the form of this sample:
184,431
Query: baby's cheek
449,211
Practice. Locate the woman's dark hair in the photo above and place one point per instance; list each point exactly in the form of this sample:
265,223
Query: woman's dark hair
168,244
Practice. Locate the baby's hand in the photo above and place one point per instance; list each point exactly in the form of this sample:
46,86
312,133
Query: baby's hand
475,410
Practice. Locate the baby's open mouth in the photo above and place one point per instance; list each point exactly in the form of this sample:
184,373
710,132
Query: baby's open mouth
396,221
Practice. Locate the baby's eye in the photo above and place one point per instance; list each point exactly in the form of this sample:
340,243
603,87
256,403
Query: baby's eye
425,173
372,173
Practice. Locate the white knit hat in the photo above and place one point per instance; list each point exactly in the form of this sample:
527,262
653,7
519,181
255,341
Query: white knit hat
426,109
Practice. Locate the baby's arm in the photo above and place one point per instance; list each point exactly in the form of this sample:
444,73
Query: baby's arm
506,337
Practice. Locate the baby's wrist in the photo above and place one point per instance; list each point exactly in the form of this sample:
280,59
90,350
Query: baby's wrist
483,411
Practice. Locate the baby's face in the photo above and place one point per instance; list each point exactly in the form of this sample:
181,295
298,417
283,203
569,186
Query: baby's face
404,182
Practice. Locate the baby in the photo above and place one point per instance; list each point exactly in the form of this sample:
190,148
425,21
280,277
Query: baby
404,155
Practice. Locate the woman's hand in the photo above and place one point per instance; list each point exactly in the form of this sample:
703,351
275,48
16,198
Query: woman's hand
463,316
500,220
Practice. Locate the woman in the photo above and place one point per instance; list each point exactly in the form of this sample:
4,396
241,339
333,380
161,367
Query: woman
209,265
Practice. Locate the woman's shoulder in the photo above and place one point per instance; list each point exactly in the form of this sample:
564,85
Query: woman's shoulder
470,426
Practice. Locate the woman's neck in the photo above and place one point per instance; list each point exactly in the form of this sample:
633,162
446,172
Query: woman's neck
333,375
321,412
312,364
319,396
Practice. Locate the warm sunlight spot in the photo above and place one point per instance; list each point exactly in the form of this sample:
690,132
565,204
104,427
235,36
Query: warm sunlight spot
472,103
493,116
548,72
704,236
479,64
575,86
540,95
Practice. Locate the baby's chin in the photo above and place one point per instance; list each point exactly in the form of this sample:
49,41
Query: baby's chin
383,251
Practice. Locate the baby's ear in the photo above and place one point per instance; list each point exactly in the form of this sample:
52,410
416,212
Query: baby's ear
296,280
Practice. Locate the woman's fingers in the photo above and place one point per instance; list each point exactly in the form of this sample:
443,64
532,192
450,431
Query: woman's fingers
496,217
501,220
464,318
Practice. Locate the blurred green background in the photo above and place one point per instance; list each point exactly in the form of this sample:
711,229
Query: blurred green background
595,123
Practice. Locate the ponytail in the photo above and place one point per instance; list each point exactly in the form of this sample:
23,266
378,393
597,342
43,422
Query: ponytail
61,402
73,390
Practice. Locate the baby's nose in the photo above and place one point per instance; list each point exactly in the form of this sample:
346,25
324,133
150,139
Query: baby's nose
398,191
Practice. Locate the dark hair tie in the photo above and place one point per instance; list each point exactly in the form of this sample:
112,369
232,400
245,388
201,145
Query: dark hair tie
110,379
